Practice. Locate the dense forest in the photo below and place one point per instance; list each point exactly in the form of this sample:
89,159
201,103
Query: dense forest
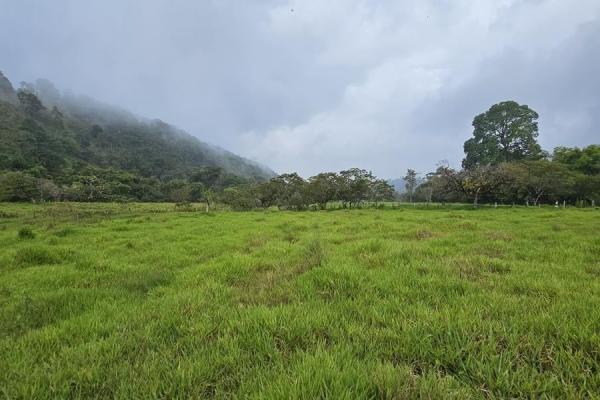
56,146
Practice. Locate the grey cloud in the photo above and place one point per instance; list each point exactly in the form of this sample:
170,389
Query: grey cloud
383,85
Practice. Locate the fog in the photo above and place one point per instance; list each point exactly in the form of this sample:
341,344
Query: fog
309,85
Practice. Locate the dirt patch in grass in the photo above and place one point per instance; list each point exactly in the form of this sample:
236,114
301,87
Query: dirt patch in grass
499,235
476,268
424,234
255,242
593,270
263,287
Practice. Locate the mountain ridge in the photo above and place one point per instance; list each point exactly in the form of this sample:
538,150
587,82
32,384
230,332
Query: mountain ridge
63,137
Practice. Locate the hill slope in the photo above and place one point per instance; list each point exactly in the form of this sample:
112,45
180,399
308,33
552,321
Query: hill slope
63,137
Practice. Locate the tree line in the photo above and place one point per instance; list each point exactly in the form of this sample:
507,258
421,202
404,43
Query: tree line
504,163
46,155
349,188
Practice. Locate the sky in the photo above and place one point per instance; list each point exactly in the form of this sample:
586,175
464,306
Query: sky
313,85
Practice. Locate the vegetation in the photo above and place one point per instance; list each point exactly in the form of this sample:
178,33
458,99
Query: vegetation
145,301
359,299
62,147
506,132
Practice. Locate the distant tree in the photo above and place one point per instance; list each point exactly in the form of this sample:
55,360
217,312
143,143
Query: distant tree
30,102
267,193
473,183
17,186
290,191
48,190
323,188
180,195
506,132
381,190
7,92
355,185
533,180
209,197
410,183
196,190
585,160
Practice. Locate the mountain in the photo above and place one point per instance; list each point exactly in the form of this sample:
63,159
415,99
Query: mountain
72,140
399,184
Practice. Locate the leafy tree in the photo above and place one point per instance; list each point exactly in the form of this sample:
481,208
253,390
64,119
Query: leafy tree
241,198
586,160
30,102
410,183
208,195
506,132
290,191
473,183
17,186
323,188
381,190
356,185
533,180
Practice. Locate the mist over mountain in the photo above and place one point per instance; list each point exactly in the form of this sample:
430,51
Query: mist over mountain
68,138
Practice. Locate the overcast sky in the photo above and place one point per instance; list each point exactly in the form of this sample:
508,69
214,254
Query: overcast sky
314,85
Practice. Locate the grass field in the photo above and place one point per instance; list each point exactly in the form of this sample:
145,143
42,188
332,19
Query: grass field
143,301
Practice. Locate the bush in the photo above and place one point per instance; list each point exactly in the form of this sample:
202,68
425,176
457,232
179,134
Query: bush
26,233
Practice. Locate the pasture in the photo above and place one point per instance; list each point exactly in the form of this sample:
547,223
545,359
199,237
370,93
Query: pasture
147,301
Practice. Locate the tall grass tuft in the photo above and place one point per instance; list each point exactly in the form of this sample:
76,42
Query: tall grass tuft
26,233
314,255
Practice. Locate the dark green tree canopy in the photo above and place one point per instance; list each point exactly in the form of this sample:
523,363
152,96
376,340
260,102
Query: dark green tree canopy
586,160
506,132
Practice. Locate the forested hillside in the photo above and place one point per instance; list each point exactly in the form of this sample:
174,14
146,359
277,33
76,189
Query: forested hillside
61,146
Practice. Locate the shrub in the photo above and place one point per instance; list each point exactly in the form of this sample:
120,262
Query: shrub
26,233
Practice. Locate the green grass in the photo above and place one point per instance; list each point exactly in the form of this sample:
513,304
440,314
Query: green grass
143,301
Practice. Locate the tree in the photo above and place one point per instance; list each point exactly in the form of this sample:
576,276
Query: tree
290,191
17,186
533,180
323,188
355,185
506,132
586,160
30,102
208,195
410,183
381,190
473,183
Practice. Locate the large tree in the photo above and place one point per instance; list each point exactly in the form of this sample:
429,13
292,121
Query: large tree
506,132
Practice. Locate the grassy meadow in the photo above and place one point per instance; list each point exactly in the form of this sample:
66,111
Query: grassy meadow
148,301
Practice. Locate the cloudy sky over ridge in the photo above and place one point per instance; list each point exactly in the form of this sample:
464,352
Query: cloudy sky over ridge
313,85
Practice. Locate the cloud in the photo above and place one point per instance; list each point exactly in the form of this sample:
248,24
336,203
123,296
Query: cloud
310,85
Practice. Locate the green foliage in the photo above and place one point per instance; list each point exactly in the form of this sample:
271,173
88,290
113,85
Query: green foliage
17,186
30,102
506,132
586,160
26,233
410,182
291,192
409,303
88,151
